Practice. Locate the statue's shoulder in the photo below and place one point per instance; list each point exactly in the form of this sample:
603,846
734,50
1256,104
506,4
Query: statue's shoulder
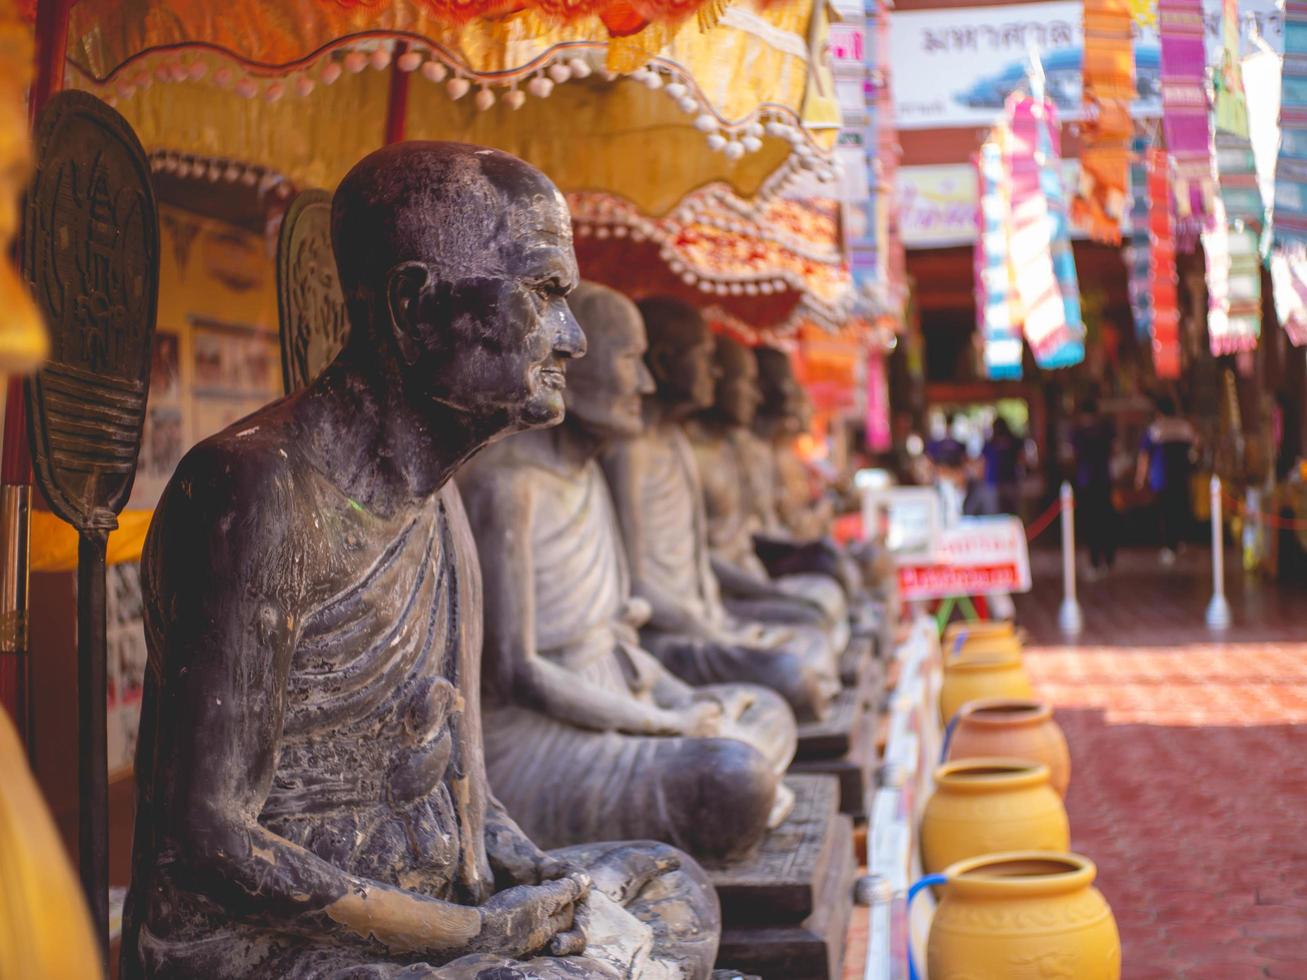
250,466
506,465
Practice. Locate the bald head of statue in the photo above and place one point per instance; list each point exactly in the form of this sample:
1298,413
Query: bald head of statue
681,354
606,389
455,263
737,397
783,398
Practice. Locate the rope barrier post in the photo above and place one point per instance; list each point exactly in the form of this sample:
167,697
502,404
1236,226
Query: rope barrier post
1069,619
1218,610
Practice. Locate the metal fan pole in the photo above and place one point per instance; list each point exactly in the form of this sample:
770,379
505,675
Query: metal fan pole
93,754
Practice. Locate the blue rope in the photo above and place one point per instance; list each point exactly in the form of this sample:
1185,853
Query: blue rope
949,729
929,881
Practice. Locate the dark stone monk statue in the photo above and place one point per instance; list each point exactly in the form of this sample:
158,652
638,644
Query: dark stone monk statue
655,484
784,413
312,792
778,486
724,443
587,734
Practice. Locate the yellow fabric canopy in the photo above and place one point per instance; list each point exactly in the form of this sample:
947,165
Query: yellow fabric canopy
642,138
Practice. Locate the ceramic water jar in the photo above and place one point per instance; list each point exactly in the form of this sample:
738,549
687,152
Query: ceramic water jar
987,672
982,806
1013,727
1023,914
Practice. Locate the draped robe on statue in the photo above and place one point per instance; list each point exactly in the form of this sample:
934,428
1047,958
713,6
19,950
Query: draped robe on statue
728,481
563,782
668,542
377,771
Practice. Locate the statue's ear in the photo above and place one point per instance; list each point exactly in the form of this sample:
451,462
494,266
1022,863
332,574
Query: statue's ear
404,287
661,362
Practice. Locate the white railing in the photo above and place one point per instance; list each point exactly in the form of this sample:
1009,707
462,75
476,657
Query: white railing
911,748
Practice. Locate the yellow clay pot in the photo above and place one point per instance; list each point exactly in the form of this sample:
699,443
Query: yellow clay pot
956,634
982,806
982,646
982,674
1012,727
1023,914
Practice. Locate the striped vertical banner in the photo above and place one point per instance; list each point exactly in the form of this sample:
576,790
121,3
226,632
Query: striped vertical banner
1289,224
1291,165
1070,347
1109,88
1002,347
1040,253
1185,113
1166,306
1138,254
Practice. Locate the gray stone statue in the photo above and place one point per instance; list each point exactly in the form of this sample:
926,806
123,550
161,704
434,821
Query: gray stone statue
587,734
655,484
736,492
312,798
784,413
789,512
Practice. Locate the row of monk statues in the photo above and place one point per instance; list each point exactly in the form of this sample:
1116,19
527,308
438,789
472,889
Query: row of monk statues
474,657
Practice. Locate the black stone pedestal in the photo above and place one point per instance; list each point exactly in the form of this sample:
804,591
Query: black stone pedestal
786,909
843,744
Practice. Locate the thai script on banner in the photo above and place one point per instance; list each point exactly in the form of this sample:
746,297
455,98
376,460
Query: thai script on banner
955,66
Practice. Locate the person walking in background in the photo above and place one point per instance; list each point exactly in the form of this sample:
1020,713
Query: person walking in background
1165,461
1092,438
1002,457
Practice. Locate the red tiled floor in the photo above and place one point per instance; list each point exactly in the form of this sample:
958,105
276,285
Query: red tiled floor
1189,764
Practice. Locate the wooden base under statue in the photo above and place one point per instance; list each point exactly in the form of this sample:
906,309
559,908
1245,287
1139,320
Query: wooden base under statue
786,910
843,743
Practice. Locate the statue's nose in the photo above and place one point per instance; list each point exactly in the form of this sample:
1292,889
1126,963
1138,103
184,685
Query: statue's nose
645,384
570,341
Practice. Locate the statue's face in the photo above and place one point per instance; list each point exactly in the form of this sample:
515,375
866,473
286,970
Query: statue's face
738,394
688,375
784,398
606,391
508,333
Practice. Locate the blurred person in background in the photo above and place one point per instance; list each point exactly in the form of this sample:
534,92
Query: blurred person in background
1092,438
1164,466
1002,457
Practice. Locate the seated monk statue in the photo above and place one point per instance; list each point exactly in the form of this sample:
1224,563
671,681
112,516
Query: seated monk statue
655,485
723,439
586,734
780,490
783,415
312,798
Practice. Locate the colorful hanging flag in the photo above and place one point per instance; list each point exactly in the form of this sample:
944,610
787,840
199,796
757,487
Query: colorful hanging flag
1138,254
1048,153
1235,167
1166,308
1001,338
1261,82
1039,236
1234,285
1289,285
1109,88
1291,167
1184,113
1233,273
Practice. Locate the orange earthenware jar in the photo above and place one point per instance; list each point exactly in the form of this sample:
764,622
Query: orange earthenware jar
989,672
1013,727
1023,914
982,806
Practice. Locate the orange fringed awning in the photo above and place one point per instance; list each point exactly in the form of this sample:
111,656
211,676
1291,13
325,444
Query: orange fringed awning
103,35
768,267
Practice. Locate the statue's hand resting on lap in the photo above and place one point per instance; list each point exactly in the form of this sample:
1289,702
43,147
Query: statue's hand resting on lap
525,919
